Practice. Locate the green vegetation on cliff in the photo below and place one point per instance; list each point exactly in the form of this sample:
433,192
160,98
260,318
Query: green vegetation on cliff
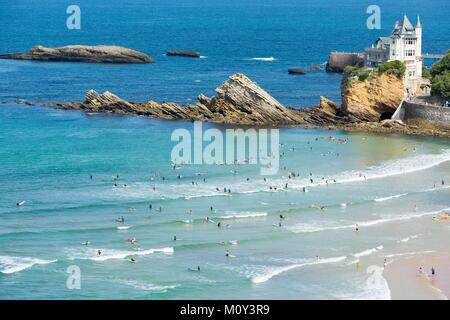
440,81
395,67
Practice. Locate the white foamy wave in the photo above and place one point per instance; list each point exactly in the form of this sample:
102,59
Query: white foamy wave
409,238
243,215
390,197
272,272
320,226
10,265
397,167
108,254
263,59
368,252
186,191
413,253
144,286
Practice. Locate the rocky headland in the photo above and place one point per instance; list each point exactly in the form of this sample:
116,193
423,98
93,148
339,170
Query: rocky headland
79,53
242,101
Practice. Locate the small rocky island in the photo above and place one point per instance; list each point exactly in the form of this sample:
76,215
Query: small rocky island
79,53
183,53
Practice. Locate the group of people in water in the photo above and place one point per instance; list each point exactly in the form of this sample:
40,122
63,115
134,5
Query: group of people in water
291,175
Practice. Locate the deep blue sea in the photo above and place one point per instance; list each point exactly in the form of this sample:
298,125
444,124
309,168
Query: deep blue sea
63,163
229,33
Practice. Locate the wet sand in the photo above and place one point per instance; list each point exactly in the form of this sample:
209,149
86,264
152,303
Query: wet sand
407,283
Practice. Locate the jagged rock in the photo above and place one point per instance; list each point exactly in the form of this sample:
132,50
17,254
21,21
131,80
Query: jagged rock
183,53
79,53
368,100
242,101
250,103
239,101
328,106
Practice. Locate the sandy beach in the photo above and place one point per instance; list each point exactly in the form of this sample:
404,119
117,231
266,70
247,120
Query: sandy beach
406,282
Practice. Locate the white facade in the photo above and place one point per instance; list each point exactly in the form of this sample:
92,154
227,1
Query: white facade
404,44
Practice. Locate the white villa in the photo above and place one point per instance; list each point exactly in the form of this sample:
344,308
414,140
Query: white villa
404,44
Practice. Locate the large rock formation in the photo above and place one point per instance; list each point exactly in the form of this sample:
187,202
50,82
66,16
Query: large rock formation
371,99
78,53
239,101
242,101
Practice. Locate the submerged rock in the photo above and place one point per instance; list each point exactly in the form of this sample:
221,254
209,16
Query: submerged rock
79,53
297,71
184,53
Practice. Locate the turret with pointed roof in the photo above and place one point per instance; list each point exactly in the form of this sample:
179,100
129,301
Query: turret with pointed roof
404,44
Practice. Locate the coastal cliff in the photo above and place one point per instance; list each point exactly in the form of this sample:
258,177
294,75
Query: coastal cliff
373,99
242,101
78,53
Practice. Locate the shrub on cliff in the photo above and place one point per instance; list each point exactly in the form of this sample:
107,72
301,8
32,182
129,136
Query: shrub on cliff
395,67
440,81
440,85
441,66
357,73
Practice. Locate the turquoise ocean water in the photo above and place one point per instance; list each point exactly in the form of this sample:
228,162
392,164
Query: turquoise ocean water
47,157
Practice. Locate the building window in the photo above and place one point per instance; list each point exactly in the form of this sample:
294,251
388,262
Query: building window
410,53
393,52
410,41
411,73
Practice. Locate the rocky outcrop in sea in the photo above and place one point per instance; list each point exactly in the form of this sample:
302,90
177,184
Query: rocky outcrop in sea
242,101
79,53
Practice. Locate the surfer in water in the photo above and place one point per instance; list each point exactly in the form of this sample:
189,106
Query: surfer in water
227,254
86,243
357,228
99,252
133,260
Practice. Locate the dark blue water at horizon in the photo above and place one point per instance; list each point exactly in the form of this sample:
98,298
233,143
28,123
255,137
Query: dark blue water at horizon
228,33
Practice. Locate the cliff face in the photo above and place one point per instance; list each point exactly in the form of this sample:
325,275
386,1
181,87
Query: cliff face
77,53
368,100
